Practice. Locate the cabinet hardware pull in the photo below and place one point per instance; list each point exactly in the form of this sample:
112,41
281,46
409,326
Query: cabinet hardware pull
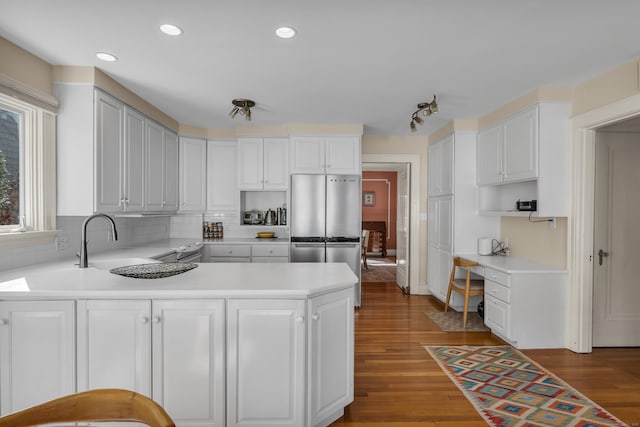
156,319
300,319
4,322
144,319
315,316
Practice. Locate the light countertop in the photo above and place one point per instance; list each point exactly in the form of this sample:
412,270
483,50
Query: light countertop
511,265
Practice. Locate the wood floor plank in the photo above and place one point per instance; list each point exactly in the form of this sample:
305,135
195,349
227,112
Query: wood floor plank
398,384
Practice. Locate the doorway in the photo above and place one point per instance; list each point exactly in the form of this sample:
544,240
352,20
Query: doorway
386,213
616,314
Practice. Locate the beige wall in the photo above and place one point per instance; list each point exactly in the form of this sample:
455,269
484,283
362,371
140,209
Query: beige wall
22,66
536,241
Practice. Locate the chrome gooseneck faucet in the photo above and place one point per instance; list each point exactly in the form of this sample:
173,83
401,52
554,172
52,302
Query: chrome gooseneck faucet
84,259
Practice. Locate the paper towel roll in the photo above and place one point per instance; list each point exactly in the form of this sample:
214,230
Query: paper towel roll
484,246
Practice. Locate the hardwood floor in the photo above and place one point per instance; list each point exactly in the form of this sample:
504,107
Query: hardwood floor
398,384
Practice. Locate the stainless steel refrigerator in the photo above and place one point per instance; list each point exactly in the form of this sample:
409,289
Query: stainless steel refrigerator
326,220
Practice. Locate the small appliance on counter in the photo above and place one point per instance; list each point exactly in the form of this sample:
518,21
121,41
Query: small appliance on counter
527,205
484,246
270,217
253,217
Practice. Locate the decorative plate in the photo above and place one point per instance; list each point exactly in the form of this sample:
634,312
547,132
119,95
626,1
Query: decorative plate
154,271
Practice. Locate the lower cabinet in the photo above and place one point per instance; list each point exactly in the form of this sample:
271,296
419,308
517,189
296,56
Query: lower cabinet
247,253
269,253
229,253
266,362
158,348
37,345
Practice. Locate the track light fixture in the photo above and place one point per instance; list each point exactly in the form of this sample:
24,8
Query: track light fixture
242,106
427,109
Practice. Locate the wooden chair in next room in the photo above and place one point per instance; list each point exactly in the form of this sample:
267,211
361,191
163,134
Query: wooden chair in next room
466,287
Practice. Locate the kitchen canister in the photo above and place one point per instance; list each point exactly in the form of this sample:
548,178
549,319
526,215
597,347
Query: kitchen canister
484,246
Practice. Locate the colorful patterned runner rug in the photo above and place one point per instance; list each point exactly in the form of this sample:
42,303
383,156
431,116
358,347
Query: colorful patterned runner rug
509,389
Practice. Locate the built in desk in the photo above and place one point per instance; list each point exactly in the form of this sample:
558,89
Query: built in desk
524,302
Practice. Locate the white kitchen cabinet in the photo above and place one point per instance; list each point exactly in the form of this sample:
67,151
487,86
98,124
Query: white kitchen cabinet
525,157
269,253
229,253
188,339
441,167
263,163
266,362
162,168
114,345
222,188
330,356
120,156
453,225
526,309
37,345
326,154
193,169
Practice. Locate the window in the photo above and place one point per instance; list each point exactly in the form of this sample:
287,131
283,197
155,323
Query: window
27,172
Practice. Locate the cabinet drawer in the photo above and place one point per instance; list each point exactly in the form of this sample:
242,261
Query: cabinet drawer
497,316
498,291
497,276
269,259
229,259
270,250
230,250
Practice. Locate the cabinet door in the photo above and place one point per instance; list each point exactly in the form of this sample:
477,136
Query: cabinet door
276,163
330,356
114,345
109,146
170,172
490,143
222,190
188,355
250,163
37,346
193,158
521,146
497,316
155,166
441,167
307,154
265,362
343,155
134,160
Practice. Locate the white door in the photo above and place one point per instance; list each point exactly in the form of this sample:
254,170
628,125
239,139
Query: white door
188,360
276,163
342,155
330,355
37,345
222,188
616,313
109,156
402,228
307,154
490,144
521,146
250,164
170,175
134,160
265,363
193,170
155,167
114,345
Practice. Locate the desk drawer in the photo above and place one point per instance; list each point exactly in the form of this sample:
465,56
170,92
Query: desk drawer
497,276
498,291
270,250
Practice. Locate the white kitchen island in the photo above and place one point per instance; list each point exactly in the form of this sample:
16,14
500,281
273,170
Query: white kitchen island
219,345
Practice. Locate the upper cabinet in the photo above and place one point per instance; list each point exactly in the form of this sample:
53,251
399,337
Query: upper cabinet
103,152
162,168
222,187
193,167
525,157
441,167
263,163
330,154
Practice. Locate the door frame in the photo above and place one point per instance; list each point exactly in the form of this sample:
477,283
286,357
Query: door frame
580,234
414,212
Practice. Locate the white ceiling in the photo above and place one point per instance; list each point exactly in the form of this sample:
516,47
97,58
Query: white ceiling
353,61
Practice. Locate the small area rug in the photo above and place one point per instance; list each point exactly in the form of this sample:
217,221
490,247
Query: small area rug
380,270
509,389
451,321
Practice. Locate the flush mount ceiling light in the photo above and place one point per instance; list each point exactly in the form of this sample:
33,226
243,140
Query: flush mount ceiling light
427,109
170,29
106,56
285,32
242,106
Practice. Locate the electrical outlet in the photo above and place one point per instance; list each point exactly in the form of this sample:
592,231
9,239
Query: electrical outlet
62,243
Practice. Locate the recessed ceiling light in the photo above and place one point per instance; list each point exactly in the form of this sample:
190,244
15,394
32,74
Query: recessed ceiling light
170,29
285,32
106,56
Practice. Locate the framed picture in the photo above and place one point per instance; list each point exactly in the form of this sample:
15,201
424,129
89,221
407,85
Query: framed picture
368,198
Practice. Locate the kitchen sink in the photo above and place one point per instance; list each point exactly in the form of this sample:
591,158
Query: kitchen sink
153,270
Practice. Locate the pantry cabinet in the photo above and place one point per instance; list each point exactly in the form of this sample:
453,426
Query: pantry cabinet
441,167
325,154
193,167
263,163
222,187
162,168
266,362
37,346
159,349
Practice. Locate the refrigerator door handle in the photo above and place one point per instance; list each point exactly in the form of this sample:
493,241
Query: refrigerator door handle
343,245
